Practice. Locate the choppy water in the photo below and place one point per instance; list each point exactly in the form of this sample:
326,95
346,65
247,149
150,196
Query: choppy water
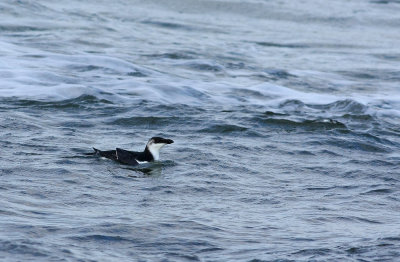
285,116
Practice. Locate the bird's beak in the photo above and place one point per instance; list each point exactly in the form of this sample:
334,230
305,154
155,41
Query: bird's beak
168,141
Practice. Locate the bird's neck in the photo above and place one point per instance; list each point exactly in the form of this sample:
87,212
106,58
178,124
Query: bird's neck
151,153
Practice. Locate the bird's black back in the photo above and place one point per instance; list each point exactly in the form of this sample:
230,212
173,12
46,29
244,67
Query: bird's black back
126,157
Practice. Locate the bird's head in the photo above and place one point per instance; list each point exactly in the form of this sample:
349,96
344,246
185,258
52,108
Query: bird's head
155,144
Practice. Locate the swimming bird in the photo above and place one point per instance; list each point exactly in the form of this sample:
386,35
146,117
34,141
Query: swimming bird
151,152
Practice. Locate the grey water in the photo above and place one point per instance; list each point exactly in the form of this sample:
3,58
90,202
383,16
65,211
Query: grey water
285,116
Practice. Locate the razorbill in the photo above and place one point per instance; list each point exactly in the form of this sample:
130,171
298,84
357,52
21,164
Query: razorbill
150,153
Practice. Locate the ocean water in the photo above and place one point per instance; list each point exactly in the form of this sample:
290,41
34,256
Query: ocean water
285,116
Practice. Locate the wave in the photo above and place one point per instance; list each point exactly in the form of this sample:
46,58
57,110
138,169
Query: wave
224,128
310,125
47,76
144,120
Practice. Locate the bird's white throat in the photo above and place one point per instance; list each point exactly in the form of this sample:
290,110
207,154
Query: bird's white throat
154,149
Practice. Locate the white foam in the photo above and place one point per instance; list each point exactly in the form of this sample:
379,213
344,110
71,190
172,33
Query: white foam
31,73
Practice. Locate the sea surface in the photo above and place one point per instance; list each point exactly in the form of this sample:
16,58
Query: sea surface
285,116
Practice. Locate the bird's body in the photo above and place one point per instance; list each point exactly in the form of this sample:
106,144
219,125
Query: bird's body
151,152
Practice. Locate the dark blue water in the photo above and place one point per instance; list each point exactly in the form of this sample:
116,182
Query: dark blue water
285,117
